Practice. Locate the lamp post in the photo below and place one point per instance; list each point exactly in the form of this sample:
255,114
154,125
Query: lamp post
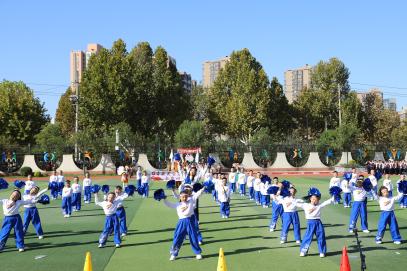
75,101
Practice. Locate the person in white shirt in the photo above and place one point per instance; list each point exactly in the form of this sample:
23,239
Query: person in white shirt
109,206
250,184
241,180
121,213
265,197
312,213
335,181
139,174
358,206
145,184
403,200
223,192
53,185
290,215
31,212
76,194
277,208
386,182
256,187
354,177
12,219
373,180
387,217
29,184
67,199
87,185
186,224
347,195
232,180
61,182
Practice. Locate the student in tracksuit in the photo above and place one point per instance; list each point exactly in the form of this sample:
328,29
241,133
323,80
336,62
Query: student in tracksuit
335,181
121,213
277,209
359,206
67,199
31,211
250,184
265,197
232,180
53,185
290,215
347,193
145,180
312,213
76,195
387,216
109,206
224,198
139,174
87,186
256,187
186,224
29,184
241,180
61,182
403,200
12,219
386,182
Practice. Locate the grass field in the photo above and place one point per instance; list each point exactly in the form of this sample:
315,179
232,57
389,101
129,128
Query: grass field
245,238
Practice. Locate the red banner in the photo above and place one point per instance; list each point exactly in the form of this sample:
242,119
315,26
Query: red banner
189,150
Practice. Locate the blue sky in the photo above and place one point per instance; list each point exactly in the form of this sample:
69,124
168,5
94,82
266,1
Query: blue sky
370,37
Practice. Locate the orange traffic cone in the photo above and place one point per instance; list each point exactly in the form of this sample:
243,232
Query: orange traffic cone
345,266
88,263
221,261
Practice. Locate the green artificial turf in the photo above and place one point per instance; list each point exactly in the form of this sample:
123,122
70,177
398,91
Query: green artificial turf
245,238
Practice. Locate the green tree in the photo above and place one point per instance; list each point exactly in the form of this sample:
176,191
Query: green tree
240,97
21,114
191,133
199,103
51,139
399,136
65,115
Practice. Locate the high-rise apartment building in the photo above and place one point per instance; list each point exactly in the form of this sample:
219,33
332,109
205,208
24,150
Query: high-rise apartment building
186,81
211,69
390,103
295,81
78,63
362,95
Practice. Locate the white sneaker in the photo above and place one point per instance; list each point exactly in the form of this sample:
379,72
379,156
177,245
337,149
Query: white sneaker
282,242
366,231
350,231
302,254
271,229
200,243
298,242
321,255
198,257
172,258
100,246
397,242
378,242
123,234
41,237
117,245
21,250
66,216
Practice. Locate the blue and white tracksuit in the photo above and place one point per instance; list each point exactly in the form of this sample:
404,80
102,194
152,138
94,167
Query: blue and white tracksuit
76,197
186,224
67,200
257,194
139,174
388,217
232,180
250,185
372,192
335,181
87,190
290,216
31,214
358,208
314,226
403,200
145,185
121,212
53,183
224,199
276,212
241,180
28,186
265,197
347,193
12,220
111,221
61,184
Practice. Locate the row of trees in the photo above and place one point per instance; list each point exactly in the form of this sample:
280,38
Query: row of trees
139,92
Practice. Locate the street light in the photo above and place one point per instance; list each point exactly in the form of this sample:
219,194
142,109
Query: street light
75,101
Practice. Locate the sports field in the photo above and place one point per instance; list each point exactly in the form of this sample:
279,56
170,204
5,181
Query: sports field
245,238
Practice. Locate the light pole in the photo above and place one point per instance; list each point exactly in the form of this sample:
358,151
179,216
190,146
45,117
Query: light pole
75,101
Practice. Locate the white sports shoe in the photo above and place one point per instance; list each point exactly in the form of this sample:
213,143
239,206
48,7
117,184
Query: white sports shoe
282,242
198,257
397,242
366,231
172,258
100,246
298,242
200,243
117,245
321,255
302,254
21,250
41,237
350,231
123,234
378,242
271,229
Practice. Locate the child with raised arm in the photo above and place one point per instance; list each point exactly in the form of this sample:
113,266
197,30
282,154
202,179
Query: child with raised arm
29,184
87,185
186,224
112,221
12,219
31,211
312,213
121,213
387,217
359,206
